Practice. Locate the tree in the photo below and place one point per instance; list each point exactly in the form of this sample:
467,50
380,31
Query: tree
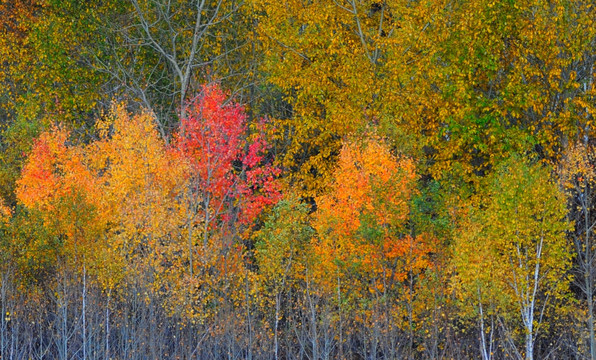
230,180
478,264
520,228
224,168
56,182
578,179
281,252
367,254
140,180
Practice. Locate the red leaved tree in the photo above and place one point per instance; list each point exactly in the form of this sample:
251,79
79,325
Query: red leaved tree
231,175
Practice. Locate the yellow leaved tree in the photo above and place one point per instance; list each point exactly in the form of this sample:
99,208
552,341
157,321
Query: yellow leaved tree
512,255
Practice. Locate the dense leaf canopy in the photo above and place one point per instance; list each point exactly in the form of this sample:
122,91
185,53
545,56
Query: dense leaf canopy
297,179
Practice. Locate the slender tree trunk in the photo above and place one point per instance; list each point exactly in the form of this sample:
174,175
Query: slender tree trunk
189,220
5,316
276,326
529,346
313,321
83,313
341,334
107,334
590,298
486,345
63,308
249,319
589,270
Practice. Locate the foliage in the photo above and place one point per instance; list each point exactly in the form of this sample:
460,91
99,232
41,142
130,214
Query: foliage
462,84
513,252
367,256
578,179
232,179
351,179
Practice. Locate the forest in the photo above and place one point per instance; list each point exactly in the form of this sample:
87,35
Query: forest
297,179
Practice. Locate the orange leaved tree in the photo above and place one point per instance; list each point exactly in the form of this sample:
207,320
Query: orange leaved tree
57,183
366,252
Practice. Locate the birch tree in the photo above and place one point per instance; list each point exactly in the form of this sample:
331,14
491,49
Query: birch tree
522,231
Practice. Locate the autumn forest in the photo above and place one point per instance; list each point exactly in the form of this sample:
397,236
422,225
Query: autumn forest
297,179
